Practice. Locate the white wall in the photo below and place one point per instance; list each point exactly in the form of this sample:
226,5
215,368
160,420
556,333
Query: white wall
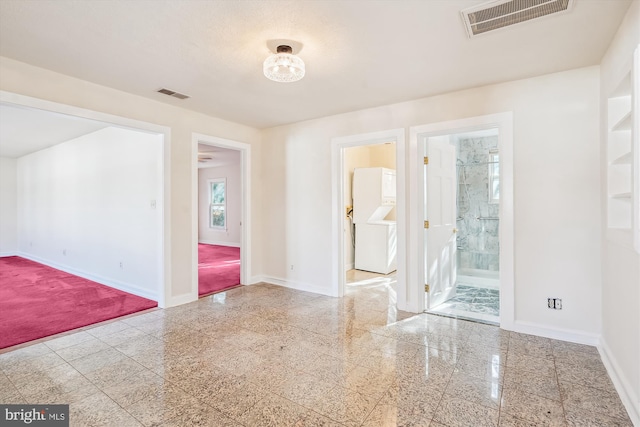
212,236
24,79
556,154
8,207
89,206
557,215
366,156
621,263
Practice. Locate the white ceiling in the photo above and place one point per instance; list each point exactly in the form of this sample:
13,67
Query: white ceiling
359,53
26,130
219,156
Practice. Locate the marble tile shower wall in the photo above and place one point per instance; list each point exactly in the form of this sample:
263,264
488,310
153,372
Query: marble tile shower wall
477,237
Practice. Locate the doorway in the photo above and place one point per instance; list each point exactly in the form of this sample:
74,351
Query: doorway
462,190
338,147
152,282
221,220
446,260
370,223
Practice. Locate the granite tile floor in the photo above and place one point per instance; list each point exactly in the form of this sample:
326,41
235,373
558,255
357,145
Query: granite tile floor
264,355
472,302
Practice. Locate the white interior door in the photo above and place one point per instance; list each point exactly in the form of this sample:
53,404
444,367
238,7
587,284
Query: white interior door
440,212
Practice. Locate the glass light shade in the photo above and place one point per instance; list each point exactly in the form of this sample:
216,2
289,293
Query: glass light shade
283,67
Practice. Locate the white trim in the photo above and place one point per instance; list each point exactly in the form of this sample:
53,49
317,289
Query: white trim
629,399
181,299
635,221
418,134
569,335
71,110
245,229
163,294
291,284
349,266
6,254
255,280
214,242
338,144
116,284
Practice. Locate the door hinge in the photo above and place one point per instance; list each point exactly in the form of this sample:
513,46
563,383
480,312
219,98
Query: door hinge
426,160
426,224
426,288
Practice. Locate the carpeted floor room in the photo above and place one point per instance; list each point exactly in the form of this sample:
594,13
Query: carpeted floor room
218,268
38,301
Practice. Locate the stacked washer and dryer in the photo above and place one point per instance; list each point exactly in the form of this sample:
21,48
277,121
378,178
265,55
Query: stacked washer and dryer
374,196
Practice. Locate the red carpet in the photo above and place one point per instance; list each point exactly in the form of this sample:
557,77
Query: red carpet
37,301
218,268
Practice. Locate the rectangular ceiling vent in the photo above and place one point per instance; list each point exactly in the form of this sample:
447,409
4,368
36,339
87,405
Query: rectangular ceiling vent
503,13
173,93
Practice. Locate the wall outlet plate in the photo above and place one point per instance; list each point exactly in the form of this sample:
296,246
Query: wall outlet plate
554,303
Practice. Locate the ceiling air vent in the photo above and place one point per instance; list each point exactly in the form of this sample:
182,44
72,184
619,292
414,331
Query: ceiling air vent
174,94
502,13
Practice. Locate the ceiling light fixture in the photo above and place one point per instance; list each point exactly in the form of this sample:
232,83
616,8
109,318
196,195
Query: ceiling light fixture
283,66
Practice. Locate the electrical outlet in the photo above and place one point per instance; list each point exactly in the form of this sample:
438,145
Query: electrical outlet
554,303
291,267
121,266
64,252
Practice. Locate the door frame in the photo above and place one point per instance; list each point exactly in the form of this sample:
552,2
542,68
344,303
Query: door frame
338,145
164,284
417,139
245,215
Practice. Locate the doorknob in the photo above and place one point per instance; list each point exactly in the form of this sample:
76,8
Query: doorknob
455,230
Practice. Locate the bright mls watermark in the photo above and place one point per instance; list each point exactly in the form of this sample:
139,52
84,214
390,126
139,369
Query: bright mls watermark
34,415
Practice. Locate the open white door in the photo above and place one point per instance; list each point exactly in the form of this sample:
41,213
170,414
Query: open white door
440,219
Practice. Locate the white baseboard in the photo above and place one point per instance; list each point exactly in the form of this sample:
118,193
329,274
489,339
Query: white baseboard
578,337
291,284
630,400
6,254
213,242
180,299
409,306
116,284
255,280
349,266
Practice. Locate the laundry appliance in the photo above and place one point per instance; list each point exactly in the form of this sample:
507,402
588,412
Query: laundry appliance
374,196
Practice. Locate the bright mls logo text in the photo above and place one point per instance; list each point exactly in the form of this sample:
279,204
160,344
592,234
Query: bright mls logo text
27,417
39,415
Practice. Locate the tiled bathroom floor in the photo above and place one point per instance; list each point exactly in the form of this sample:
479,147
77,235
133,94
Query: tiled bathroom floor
472,302
264,355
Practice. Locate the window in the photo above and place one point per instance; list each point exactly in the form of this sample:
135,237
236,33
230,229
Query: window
494,177
218,203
